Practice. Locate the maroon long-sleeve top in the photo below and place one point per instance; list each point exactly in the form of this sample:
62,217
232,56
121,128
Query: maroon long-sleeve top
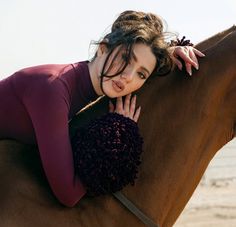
35,106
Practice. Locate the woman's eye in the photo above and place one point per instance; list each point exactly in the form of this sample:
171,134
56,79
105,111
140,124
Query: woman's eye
142,76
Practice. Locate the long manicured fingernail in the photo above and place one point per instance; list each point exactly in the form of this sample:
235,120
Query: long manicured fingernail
190,72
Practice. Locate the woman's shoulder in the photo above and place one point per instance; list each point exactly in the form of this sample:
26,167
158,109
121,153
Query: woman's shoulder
47,74
40,79
42,71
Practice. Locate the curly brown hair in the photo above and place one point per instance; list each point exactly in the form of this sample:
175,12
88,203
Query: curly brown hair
133,27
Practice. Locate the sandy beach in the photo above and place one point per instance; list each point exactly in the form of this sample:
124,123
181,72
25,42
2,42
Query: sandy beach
211,205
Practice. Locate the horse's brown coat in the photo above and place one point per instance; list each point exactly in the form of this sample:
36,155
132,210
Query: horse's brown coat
184,121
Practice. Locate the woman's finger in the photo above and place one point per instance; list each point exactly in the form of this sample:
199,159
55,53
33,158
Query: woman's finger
198,53
111,107
194,58
188,68
178,63
132,106
119,105
187,59
127,104
137,113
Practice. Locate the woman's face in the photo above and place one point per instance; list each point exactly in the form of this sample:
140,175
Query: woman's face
140,67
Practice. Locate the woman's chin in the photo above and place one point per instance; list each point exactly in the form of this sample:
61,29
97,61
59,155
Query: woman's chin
113,94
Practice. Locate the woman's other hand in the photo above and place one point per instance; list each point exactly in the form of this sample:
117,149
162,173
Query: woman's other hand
127,109
189,55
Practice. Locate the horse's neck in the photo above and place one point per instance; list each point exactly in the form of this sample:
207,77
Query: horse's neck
185,121
206,44
221,73
181,135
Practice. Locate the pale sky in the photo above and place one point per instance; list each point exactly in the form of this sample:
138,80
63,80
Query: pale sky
37,32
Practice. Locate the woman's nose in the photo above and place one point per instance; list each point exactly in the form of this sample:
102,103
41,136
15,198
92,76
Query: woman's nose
128,75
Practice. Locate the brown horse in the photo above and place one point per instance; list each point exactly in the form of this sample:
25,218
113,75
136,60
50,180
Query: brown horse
206,44
184,122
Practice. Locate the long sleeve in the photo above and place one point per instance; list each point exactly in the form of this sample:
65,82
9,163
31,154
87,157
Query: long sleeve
48,110
38,102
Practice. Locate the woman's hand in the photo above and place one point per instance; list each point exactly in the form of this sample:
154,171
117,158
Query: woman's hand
188,54
128,109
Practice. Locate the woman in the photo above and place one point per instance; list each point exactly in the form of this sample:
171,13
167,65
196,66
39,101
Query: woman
37,102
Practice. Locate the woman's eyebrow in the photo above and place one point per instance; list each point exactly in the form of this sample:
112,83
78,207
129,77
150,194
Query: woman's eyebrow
136,60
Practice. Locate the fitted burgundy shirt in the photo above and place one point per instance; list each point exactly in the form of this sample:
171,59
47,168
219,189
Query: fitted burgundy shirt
36,104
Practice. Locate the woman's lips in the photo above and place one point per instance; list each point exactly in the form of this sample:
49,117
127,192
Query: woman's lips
118,86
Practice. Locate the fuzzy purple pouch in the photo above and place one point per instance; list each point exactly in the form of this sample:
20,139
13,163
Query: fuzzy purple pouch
107,153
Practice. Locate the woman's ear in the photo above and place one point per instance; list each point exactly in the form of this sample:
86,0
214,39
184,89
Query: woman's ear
102,48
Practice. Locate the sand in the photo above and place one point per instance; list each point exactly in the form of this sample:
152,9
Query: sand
212,204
